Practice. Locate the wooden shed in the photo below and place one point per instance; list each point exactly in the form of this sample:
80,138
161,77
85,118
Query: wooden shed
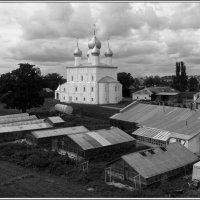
56,121
152,165
82,142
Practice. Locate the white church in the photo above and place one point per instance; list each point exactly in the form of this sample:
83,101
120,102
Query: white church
91,82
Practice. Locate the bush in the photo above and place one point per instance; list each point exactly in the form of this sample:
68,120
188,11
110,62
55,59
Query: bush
57,168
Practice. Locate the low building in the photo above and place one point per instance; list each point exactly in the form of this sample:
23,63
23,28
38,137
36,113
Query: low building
53,138
82,142
179,124
149,166
196,171
17,132
56,121
156,93
189,97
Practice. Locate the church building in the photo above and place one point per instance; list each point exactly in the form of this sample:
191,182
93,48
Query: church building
91,82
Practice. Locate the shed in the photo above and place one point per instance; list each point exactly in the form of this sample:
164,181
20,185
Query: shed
152,165
91,144
182,123
196,171
10,133
56,121
53,138
82,142
14,115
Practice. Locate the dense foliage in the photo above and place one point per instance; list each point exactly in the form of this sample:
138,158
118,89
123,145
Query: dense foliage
22,88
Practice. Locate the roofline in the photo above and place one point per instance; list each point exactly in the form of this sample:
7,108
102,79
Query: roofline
95,66
130,105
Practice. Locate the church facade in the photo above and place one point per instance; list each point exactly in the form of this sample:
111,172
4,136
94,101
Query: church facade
92,82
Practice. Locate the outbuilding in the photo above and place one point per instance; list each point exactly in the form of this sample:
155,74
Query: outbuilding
82,142
56,121
196,171
149,166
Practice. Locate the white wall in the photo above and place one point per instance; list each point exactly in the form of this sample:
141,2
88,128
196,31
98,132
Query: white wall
141,96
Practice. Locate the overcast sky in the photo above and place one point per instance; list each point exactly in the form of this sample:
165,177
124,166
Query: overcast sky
146,38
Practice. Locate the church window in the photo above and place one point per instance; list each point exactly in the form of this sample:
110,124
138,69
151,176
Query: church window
105,89
92,99
64,97
81,78
76,98
64,89
76,88
84,99
115,89
92,89
92,78
72,78
83,88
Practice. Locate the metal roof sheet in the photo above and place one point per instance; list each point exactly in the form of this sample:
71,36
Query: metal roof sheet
59,131
172,119
24,127
37,121
13,115
167,93
162,161
56,119
17,119
100,138
152,133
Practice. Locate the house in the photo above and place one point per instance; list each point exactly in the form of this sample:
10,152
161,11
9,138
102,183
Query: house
82,142
146,167
91,81
156,93
160,125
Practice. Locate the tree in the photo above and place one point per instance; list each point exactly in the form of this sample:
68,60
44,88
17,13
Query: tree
180,80
52,80
193,84
126,80
24,90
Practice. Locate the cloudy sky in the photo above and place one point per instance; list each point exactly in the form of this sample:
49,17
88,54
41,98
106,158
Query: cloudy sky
146,38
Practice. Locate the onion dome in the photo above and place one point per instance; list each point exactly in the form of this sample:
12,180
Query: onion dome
108,52
94,41
95,51
77,51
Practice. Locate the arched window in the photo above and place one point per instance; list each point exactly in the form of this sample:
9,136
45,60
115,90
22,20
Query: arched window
92,78
92,89
84,89
76,88
72,78
81,78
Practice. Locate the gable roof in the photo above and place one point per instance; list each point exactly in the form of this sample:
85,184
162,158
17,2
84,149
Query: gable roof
172,119
58,132
100,138
175,156
156,90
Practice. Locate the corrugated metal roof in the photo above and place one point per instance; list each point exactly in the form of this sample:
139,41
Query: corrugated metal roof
100,138
162,161
172,119
152,133
37,121
56,119
17,119
24,127
59,131
13,115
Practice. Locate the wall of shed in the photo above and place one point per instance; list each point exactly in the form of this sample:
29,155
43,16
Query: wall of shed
193,144
121,171
117,148
128,127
